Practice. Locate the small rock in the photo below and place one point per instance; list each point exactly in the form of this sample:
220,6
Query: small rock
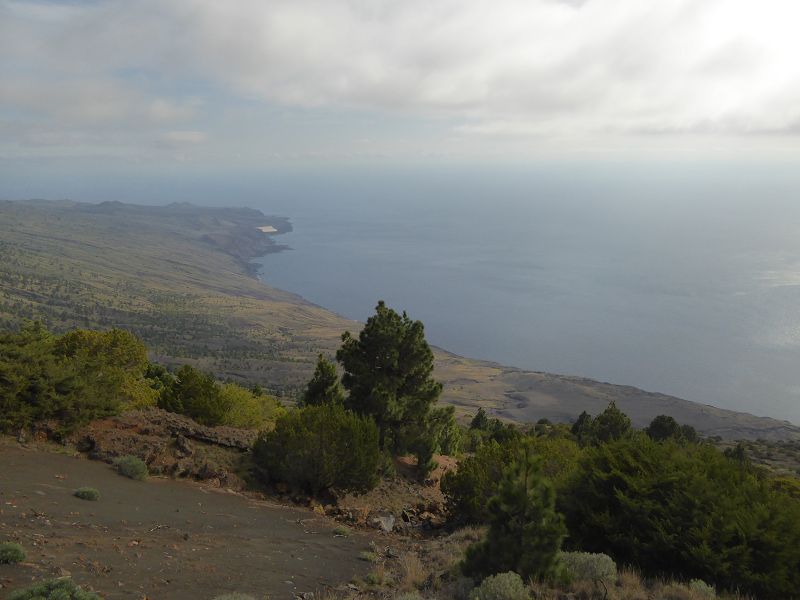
386,523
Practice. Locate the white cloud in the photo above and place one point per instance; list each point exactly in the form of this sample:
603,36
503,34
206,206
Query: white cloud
543,69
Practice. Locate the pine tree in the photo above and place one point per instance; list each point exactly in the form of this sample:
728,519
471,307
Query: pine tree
387,372
480,421
324,387
582,428
525,531
611,424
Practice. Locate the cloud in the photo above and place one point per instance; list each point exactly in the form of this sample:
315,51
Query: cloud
542,69
177,138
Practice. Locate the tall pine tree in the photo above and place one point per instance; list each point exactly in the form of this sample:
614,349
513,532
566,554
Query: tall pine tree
387,372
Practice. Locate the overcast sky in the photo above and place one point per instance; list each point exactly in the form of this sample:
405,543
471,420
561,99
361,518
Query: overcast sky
252,82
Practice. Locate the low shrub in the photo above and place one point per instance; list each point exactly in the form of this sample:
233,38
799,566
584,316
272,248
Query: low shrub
504,586
588,566
409,596
87,493
373,578
131,467
698,586
53,589
342,531
11,553
368,556
234,596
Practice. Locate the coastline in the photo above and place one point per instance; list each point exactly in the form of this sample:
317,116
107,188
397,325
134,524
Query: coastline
178,277
523,395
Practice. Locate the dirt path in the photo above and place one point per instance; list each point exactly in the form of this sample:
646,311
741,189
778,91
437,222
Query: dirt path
160,539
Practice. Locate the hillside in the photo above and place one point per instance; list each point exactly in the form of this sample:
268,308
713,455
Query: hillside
180,277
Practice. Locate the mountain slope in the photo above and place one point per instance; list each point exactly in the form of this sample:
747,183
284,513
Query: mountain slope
179,276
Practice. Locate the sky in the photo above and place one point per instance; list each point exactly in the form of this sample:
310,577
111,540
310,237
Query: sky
148,85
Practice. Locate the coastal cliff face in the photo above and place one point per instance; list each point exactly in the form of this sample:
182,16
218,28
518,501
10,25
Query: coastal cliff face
180,277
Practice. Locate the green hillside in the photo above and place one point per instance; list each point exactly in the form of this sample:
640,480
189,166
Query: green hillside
180,277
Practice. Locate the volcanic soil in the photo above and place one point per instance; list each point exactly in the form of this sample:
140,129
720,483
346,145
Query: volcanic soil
161,538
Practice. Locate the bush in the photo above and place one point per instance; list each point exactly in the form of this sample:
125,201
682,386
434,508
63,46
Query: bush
131,467
246,409
588,566
196,395
71,379
11,553
698,586
525,531
409,596
633,497
505,586
320,447
469,489
87,493
234,596
53,589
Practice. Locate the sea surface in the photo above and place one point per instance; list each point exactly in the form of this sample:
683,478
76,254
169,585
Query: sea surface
689,287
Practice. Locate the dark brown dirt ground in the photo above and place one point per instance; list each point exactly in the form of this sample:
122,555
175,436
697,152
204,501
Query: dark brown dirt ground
160,539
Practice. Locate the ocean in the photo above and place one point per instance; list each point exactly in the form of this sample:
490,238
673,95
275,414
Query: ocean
687,286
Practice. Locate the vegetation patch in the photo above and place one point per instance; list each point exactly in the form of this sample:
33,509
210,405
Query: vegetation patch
588,566
87,493
53,589
341,531
131,467
368,556
702,589
504,586
319,447
11,553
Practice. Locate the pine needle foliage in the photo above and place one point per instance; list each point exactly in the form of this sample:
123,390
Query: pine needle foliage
525,531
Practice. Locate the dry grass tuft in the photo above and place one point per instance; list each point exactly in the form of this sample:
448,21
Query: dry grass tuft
412,572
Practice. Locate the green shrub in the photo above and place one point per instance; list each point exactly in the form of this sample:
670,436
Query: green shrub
320,447
234,596
246,409
525,531
341,530
87,493
469,488
505,586
415,595
698,586
71,379
11,553
53,589
132,467
196,395
631,498
588,566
